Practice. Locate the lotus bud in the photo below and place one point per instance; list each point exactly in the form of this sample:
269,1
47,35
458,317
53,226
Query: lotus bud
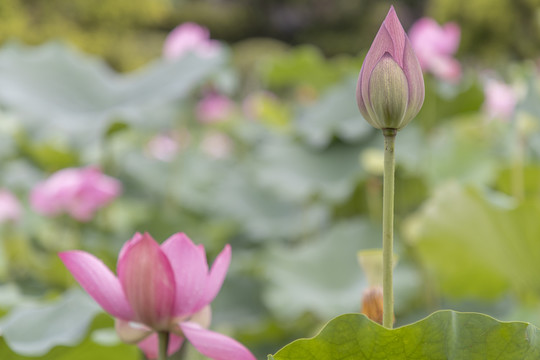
372,303
390,89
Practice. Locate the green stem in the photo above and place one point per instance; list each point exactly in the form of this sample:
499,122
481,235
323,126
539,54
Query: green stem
163,344
388,226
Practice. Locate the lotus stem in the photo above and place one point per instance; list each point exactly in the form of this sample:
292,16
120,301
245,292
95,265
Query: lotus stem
388,226
163,344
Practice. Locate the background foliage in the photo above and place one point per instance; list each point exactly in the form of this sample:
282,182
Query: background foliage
297,189
128,34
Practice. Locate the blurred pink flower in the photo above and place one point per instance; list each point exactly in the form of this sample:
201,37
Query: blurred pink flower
163,147
435,45
500,100
217,145
79,192
213,108
164,287
189,37
10,208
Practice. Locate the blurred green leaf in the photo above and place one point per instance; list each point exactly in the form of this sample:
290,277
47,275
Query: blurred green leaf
478,244
260,211
61,91
442,335
445,101
304,66
33,330
320,275
530,176
463,150
87,350
335,114
301,173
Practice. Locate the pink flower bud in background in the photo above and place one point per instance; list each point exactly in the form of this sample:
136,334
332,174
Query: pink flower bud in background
78,192
390,89
10,207
435,46
500,100
166,287
214,108
189,37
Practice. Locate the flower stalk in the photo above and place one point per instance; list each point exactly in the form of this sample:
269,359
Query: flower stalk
388,226
163,344
390,93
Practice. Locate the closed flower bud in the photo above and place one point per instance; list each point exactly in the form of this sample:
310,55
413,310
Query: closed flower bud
372,303
390,89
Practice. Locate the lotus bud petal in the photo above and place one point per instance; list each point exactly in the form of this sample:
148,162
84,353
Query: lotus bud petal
390,90
372,303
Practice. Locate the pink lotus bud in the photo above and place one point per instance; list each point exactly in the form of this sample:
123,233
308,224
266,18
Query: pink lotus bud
79,192
390,90
435,45
500,100
189,37
214,108
10,208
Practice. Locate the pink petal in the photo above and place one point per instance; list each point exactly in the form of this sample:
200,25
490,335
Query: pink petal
95,191
150,345
397,34
10,208
213,108
51,196
99,282
190,269
148,281
434,45
415,78
216,277
189,37
450,39
127,245
446,68
214,345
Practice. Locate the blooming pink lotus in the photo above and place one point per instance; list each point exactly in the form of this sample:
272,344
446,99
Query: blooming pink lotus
160,288
189,37
214,107
10,208
79,192
500,100
390,89
435,46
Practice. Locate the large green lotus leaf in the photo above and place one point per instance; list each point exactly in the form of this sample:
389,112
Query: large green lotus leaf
462,149
60,91
33,330
441,336
477,243
320,275
261,212
335,114
300,173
